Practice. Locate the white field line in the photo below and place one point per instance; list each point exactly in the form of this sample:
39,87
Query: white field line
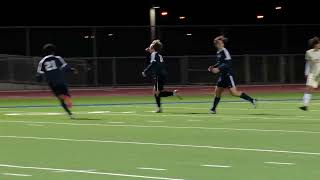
153,169
116,122
37,125
86,172
216,166
166,127
241,109
279,163
62,171
155,121
13,174
194,120
177,115
164,144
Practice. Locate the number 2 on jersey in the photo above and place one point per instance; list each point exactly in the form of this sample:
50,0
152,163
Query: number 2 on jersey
50,65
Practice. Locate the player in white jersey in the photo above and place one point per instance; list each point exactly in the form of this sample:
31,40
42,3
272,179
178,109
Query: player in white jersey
312,71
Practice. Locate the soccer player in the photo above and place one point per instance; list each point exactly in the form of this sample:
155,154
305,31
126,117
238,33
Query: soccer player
312,71
53,68
223,68
157,70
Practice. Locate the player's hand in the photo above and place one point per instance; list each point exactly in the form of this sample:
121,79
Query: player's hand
210,68
144,74
215,70
147,49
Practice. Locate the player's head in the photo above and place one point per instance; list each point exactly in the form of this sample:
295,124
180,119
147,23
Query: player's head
49,49
156,45
219,42
314,43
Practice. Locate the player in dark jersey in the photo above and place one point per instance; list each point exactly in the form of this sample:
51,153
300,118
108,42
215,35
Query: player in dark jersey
53,68
223,67
157,70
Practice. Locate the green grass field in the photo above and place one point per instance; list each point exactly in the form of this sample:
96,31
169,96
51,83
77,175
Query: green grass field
127,141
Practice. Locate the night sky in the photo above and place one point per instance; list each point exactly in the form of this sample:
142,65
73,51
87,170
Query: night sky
136,12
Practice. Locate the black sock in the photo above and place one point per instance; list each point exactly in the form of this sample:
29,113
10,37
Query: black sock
215,103
158,100
65,107
165,94
246,97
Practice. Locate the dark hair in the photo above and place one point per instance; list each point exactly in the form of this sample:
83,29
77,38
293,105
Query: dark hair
313,41
157,45
49,49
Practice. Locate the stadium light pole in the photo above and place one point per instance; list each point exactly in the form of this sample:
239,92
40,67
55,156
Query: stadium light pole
153,22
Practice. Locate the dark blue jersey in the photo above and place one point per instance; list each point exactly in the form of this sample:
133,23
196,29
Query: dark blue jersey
53,68
224,62
157,66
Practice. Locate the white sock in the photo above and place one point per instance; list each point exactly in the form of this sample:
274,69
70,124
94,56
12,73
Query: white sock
306,99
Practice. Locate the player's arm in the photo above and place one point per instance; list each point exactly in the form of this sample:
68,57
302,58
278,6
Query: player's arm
40,71
65,66
307,65
153,63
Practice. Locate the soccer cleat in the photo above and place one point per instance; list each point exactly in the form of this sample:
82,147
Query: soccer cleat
71,116
304,108
159,110
212,111
176,93
255,103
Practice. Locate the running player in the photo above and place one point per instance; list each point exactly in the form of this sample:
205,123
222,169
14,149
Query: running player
157,70
53,68
223,67
312,71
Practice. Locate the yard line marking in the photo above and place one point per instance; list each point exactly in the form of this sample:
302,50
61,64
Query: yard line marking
98,112
216,166
155,121
280,163
61,171
168,127
154,169
165,144
13,174
231,117
39,125
87,172
128,112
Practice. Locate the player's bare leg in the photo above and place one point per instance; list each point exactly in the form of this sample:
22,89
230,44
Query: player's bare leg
218,93
63,102
234,92
158,100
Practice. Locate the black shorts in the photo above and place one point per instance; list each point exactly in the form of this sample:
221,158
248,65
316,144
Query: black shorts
226,82
59,89
159,83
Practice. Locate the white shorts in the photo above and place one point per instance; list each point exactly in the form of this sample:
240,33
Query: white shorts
313,80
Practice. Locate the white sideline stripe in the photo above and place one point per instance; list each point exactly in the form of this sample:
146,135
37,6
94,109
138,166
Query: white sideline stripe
241,109
279,163
231,117
216,166
13,174
154,169
61,171
164,144
129,112
87,172
39,125
98,112
167,127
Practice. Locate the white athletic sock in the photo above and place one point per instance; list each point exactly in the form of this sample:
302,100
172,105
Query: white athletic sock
306,99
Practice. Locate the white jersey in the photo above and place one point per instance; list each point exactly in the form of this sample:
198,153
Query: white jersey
313,62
